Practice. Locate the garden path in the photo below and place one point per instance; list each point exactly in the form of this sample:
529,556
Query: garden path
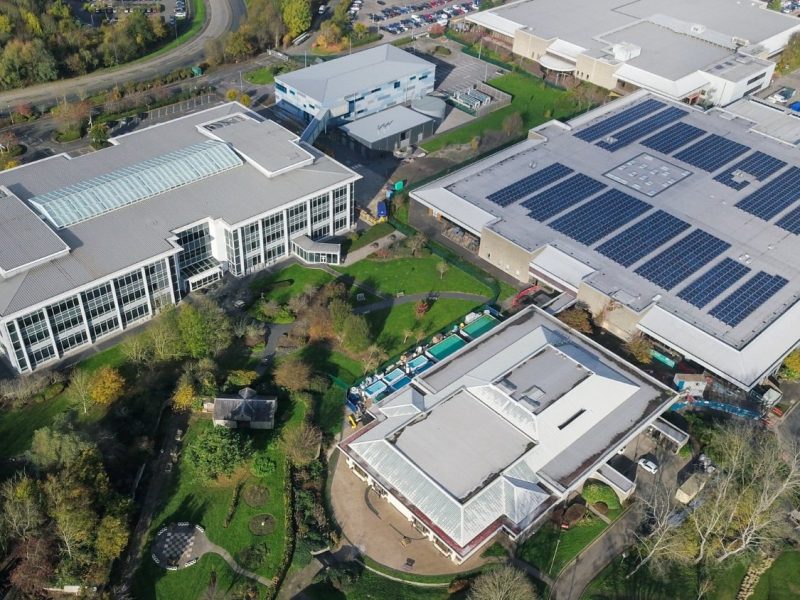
390,302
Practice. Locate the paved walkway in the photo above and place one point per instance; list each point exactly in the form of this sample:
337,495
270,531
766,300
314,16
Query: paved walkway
580,573
226,556
362,253
390,302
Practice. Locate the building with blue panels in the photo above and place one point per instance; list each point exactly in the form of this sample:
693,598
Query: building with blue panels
95,244
664,220
356,85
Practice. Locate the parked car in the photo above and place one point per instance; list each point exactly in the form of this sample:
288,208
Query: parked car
648,465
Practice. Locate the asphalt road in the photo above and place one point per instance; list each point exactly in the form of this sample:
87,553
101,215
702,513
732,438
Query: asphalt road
221,16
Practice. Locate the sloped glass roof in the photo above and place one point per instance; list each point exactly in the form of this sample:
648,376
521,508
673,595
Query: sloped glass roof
92,197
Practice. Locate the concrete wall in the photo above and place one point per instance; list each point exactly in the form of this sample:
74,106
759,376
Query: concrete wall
528,45
596,71
505,255
614,317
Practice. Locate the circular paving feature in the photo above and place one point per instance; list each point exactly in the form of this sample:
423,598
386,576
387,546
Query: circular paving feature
179,545
262,524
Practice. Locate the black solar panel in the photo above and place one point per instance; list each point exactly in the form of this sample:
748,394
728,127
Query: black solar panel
774,197
649,125
758,165
641,239
527,185
747,297
561,196
600,216
629,115
682,259
672,138
791,221
713,282
711,152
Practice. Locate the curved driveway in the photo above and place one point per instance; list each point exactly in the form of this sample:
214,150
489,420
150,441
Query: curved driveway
221,16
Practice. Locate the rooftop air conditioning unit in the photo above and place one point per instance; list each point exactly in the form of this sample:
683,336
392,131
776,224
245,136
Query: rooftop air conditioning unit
737,41
697,28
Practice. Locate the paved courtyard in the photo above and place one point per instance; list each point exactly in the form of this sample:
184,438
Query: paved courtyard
382,533
179,545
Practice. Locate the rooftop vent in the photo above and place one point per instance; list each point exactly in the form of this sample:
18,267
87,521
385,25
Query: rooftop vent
697,28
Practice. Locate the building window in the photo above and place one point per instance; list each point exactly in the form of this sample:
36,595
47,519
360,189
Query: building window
396,84
196,244
232,249
320,209
280,87
756,78
297,218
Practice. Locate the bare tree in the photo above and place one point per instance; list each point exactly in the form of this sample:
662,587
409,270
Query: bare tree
503,583
442,268
80,387
658,539
301,444
416,243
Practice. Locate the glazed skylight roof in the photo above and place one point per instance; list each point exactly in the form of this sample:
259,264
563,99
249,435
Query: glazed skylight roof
87,199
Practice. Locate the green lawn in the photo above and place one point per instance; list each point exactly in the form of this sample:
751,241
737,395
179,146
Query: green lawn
389,324
17,426
113,357
260,76
333,363
413,276
188,584
677,583
531,98
782,580
193,499
596,491
373,586
298,277
539,549
506,291
375,232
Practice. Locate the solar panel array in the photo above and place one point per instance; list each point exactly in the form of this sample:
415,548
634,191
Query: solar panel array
527,185
561,196
629,115
774,197
641,239
683,258
758,164
747,297
790,221
634,132
711,152
672,138
600,216
713,282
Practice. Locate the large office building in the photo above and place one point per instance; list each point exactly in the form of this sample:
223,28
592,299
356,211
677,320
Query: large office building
664,220
492,437
93,244
714,51
354,86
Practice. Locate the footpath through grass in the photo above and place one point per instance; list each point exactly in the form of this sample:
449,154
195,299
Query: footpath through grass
532,98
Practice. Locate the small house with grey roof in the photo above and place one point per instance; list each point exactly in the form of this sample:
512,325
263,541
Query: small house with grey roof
246,410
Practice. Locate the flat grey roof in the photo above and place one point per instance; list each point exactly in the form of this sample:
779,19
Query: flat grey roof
698,199
544,378
24,237
109,243
667,32
248,138
332,81
459,444
384,124
775,121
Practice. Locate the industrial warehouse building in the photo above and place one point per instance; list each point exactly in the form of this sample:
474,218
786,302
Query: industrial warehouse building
393,129
560,404
94,244
354,86
664,220
714,51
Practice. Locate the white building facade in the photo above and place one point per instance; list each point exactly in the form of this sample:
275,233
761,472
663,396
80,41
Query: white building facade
51,309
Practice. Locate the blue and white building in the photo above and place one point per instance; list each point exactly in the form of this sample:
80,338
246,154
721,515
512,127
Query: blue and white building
94,244
354,86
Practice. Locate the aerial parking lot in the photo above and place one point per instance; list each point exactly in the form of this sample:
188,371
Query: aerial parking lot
396,17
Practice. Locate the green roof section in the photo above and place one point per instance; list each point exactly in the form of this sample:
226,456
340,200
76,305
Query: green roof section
93,197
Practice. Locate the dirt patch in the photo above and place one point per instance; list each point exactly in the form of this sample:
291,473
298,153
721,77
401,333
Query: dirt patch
255,495
263,524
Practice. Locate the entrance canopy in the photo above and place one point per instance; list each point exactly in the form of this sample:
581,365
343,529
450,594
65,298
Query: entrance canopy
554,63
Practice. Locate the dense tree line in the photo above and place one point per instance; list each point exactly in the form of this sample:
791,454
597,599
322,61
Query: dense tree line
61,521
43,41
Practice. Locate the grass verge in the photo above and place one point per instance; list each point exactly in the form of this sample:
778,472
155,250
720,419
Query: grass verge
551,548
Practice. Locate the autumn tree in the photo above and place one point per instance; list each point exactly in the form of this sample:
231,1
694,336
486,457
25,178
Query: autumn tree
293,373
22,513
296,16
577,318
112,538
137,349
35,566
421,308
241,378
339,309
502,583
791,366
301,444
204,328
640,348
185,396
98,135
106,386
